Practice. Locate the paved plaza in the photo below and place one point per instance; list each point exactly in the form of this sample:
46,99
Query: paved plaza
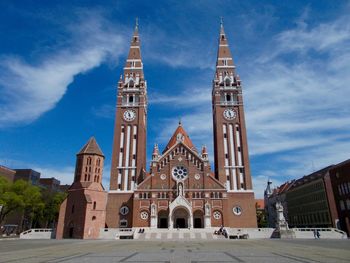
103,251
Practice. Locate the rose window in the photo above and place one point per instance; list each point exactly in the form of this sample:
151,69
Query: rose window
217,215
144,215
180,172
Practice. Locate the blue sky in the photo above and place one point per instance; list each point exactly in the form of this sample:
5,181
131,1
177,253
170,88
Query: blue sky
60,62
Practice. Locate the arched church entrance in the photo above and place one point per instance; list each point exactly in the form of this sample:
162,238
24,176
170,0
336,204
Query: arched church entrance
163,219
181,218
198,219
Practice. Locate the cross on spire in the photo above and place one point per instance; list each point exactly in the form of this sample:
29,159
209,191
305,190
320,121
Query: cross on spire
136,23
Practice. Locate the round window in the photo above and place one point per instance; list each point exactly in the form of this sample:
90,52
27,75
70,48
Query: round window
124,210
163,176
197,176
237,210
217,215
144,215
179,172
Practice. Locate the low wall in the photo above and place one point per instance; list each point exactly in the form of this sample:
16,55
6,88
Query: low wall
39,233
116,233
253,233
331,233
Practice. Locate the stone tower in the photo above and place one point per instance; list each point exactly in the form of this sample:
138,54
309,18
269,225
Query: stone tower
230,137
83,212
129,145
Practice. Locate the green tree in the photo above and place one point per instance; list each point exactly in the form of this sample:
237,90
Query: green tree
20,196
9,200
51,210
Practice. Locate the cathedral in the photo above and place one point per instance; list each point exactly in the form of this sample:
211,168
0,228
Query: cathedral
179,189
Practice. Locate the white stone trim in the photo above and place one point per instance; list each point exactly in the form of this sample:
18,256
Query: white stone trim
133,67
233,161
119,191
225,66
126,173
241,191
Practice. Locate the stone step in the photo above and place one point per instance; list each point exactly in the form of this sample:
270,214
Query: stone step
180,235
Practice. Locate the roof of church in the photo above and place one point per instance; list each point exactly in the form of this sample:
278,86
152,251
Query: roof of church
91,147
174,139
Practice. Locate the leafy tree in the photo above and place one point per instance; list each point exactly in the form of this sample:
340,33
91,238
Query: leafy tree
51,210
9,200
19,196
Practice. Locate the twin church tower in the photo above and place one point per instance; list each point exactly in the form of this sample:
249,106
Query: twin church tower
179,190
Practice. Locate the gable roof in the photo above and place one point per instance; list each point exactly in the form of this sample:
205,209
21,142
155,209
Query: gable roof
184,138
91,147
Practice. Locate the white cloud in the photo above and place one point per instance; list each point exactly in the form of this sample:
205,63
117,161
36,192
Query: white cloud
28,90
303,101
64,174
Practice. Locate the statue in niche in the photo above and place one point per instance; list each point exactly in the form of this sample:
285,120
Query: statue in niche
207,209
153,209
180,190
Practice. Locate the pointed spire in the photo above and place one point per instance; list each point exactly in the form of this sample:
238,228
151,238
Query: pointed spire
224,62
91,147
155,149
268,190
204,152
134,66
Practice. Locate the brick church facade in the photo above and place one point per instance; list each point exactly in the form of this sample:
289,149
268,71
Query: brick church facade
179,190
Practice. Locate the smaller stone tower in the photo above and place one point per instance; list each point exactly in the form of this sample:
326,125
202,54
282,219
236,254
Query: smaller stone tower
83,212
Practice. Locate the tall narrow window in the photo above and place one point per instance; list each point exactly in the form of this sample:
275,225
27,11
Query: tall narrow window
94,207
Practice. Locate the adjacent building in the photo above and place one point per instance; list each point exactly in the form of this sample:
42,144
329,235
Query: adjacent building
51,184
340,179
7,173
310,201
320,199
83,212
28,175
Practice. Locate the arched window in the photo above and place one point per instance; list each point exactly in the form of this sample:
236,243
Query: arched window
94,206
72,209
131,83
228,97
93,218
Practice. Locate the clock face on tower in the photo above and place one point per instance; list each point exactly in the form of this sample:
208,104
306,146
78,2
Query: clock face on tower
229,114
129,115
